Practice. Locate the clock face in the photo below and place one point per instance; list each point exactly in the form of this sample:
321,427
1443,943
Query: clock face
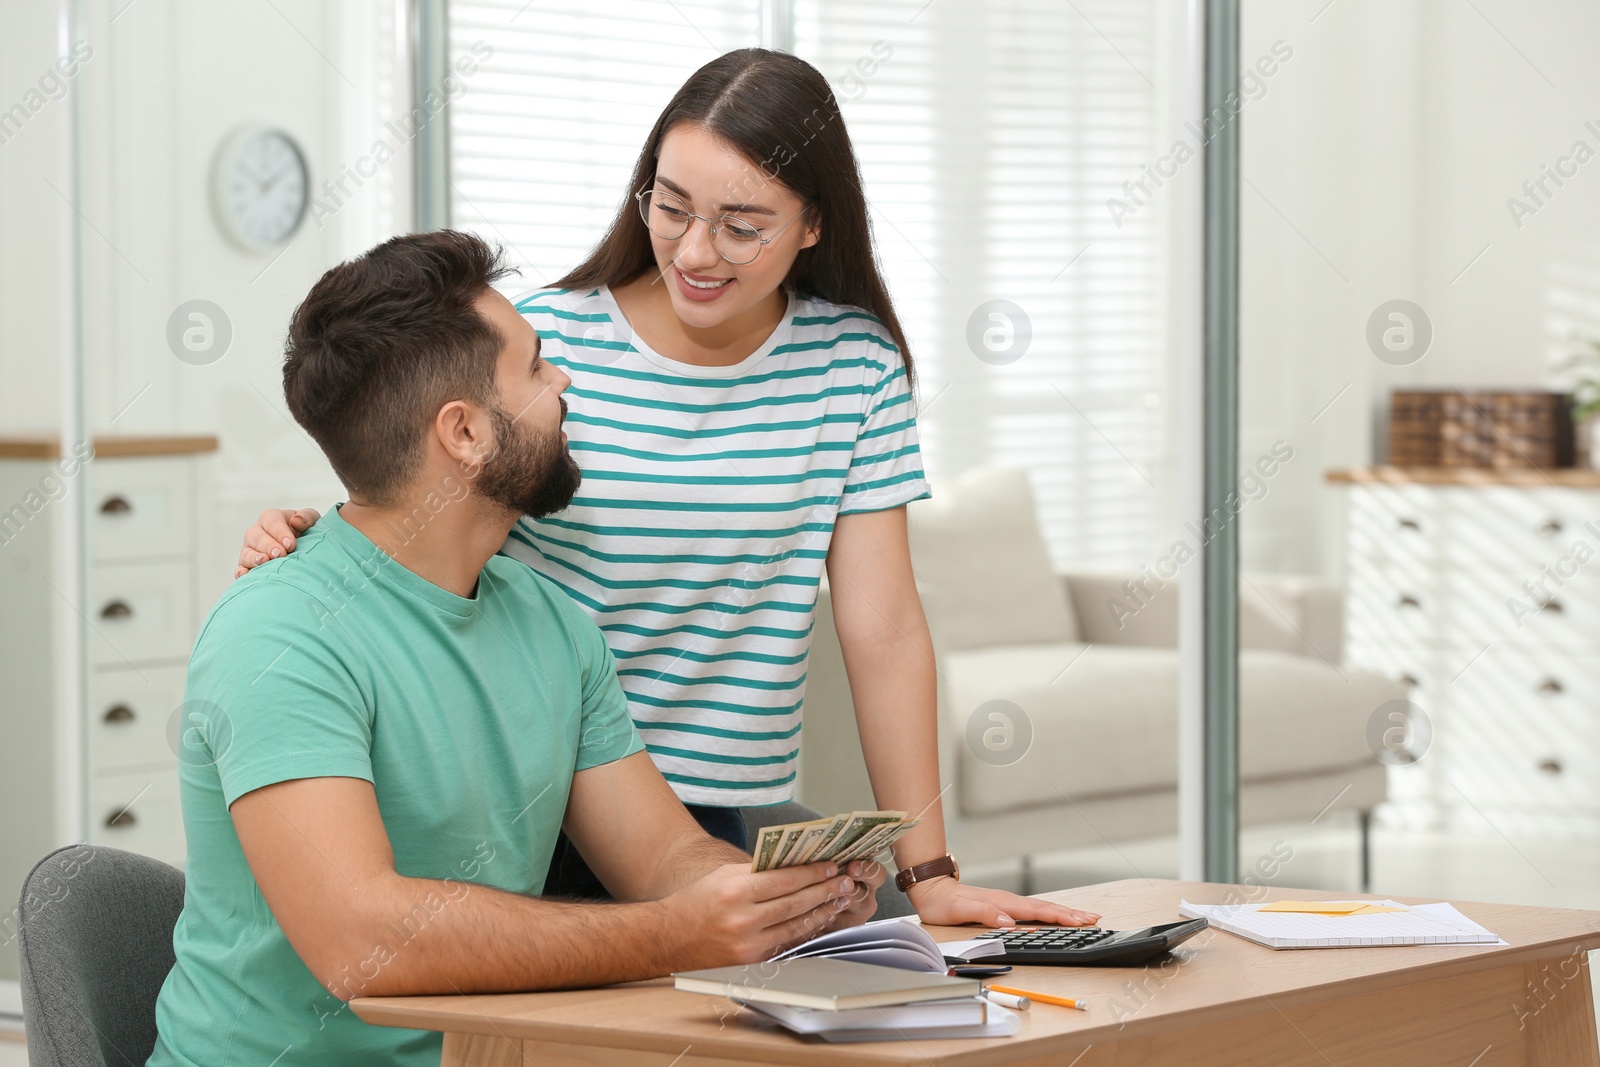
260,187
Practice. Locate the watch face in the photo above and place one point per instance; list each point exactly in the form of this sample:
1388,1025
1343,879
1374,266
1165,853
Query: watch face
262,188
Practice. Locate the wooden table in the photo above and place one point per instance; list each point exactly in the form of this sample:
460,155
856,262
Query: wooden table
1217,1001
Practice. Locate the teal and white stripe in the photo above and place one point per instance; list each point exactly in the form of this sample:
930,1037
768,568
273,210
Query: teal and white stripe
698,538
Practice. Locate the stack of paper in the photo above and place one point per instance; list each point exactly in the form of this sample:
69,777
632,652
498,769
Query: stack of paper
851,836
1342,923
824,984
967,1017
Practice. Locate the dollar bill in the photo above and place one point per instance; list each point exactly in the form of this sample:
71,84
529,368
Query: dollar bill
861,823
811,848
767,843
792,844
808,843
853,850
793,834
891,834
875,841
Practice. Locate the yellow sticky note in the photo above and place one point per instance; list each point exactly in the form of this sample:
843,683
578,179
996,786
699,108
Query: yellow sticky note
1316,907
1328,907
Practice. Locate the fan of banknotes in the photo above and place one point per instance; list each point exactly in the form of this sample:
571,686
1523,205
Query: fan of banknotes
852,836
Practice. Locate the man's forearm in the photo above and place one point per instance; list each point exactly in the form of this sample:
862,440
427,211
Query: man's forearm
423,936
361,928
672,858
690,859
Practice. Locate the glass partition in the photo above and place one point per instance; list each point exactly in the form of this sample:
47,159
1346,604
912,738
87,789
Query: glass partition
1418,311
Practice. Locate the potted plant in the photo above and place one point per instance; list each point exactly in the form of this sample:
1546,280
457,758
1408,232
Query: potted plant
1584,369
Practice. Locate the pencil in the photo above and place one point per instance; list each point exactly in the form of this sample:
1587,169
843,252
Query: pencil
1043,998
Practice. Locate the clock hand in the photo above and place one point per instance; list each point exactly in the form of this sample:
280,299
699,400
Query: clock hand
276,177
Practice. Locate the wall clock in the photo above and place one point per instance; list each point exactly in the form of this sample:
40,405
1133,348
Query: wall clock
259,187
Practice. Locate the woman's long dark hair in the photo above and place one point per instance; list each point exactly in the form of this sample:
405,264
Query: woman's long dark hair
779,112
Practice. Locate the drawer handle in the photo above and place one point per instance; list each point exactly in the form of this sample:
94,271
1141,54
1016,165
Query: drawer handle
1551,686
117,609
119,713
115,505
120,819
1409,601
1550,766
1410,524
1550,527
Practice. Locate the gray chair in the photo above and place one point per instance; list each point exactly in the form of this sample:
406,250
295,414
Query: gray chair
94,936
891,902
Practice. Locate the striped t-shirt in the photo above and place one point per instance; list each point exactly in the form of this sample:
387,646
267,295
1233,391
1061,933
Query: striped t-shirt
698,537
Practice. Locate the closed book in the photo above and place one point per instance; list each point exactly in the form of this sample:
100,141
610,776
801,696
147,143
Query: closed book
828,984
965,1011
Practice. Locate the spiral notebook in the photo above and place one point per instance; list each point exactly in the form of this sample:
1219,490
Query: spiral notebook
1397,924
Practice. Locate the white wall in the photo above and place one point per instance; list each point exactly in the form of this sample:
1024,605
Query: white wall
1330,173
1381,160
31,217
1495,111
168,79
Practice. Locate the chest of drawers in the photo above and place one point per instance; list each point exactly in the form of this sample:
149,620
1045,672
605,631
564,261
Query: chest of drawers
96,761
1481,591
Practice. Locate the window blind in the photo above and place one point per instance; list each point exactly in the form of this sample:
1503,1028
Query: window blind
544,138
991,140
991,134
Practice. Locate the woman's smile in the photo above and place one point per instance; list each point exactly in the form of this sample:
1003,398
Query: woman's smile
700,287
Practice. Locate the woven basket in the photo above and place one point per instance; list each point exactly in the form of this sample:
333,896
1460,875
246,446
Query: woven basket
1414,428
1536,430
1503,430
1467,434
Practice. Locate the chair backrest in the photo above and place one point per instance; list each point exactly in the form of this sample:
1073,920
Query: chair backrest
94,934
755,819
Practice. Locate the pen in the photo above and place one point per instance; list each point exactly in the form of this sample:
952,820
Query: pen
1042,998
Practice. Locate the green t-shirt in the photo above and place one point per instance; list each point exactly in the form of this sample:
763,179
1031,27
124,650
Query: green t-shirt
468,716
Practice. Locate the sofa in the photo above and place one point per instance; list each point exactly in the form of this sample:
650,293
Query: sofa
1058,692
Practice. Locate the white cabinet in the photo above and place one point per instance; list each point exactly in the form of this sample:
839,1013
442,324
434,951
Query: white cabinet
1481,591
113,758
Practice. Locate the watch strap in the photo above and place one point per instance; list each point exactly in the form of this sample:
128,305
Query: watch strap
922,872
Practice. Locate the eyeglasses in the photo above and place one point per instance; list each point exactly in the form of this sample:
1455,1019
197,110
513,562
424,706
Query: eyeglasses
735,240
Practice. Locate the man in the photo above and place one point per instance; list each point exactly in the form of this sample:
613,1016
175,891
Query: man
393,723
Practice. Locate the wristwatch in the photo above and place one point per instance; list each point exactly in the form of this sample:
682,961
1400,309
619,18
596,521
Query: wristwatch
922,872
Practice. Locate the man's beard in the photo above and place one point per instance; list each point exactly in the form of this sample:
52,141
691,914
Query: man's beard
530,473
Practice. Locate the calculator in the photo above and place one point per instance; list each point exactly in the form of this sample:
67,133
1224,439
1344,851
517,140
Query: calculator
1088,946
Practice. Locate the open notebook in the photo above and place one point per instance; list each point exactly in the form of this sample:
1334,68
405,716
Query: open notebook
1397,924
897,942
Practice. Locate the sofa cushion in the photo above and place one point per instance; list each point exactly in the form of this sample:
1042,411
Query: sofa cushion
1104,721
982,566
1125,608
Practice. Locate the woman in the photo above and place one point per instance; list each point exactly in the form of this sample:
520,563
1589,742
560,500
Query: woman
741,407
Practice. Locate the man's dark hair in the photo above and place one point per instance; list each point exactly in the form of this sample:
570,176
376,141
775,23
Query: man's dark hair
381,343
